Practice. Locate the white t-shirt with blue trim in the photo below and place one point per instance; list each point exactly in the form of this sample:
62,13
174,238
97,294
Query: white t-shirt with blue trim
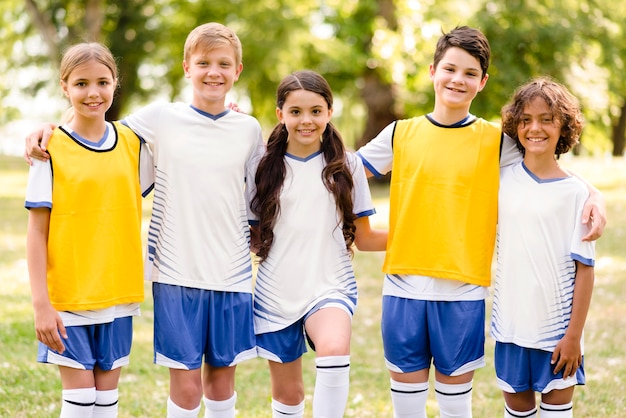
540,234
199,233
308,261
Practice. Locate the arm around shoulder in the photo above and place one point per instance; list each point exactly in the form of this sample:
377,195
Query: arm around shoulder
594,214
594,211
36,143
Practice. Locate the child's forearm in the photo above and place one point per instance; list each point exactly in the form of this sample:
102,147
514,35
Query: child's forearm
583,289
37,256
368,239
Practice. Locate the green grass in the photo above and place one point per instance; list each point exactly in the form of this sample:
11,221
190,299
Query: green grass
29,389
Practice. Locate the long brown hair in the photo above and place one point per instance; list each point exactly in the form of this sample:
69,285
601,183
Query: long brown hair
270,174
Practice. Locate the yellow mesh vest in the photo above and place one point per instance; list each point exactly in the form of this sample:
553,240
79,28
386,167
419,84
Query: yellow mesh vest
443,200
94,244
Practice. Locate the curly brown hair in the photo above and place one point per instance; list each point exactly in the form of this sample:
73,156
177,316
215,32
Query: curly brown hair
270,174
565,108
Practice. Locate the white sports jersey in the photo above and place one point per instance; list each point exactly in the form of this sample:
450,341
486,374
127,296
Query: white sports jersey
39,194
377,156
308,261
539,237
199,233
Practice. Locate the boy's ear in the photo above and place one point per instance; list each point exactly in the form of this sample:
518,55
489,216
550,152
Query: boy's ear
239,70
483,82
186,69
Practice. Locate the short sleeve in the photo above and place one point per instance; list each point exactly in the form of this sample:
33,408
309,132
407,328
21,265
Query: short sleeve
509,153
39,186
146,169
362,197
377,155
251,168
145,121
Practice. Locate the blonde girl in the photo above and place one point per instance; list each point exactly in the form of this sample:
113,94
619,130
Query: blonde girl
83,242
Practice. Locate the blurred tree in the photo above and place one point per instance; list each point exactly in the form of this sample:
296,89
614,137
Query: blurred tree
10,27
580,43
528,38
374,53
357,26
128,28
606,27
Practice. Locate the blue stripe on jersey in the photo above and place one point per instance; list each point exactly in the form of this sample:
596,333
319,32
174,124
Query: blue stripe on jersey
33,205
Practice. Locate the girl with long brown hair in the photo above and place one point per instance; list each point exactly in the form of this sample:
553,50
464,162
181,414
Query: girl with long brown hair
312,204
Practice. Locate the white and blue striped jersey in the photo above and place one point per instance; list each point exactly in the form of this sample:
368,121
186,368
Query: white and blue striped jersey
199,233
539,238
308,261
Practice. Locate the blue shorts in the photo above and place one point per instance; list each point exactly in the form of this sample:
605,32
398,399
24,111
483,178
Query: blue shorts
450,334
519,369
106,346
288,344
190,323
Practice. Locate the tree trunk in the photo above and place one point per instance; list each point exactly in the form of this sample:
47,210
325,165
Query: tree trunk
379,99
46,28
378,95
619,132
380,102
94,15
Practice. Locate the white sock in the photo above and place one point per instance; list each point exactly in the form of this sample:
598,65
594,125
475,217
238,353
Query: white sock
332,384
220,409
409,399
556,411
511,413
280,410
175,411
455,401
78,403
106,404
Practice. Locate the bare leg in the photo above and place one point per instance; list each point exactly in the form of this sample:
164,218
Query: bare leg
287,384
186,388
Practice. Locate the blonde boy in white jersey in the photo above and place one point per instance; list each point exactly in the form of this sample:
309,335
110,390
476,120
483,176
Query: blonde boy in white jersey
443,207
198,241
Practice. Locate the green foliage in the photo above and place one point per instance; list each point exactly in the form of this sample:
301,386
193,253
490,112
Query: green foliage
578,42
561,39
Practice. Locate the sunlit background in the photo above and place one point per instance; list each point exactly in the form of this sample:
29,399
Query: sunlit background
375,54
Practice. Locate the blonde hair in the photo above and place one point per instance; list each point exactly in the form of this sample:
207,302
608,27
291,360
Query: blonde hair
210,36
84,52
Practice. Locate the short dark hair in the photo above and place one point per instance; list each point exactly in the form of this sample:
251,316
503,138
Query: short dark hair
469,39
